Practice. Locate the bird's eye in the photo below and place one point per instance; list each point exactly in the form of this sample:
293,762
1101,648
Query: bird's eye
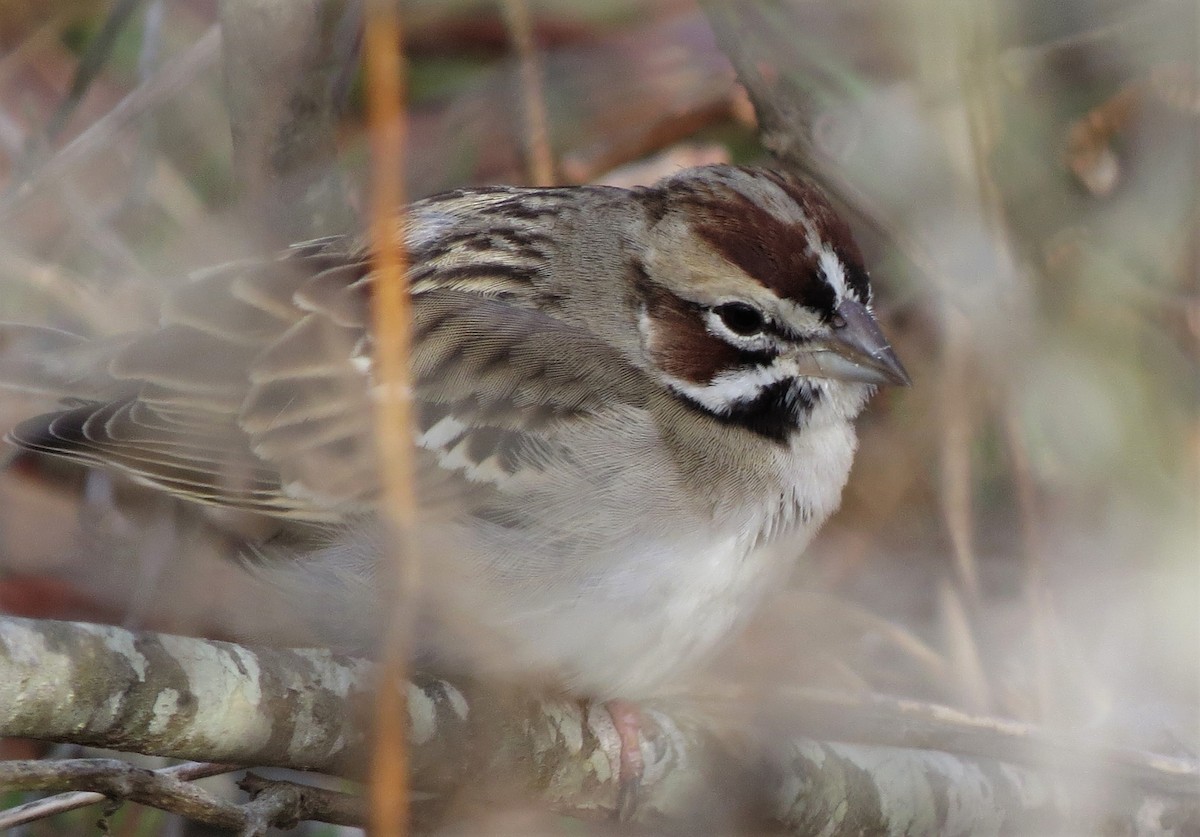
742,319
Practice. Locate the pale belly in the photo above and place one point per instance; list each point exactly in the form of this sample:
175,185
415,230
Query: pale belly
602,604
628,632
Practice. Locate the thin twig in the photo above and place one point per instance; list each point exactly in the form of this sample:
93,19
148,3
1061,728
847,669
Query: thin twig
273,803
95,780
97,53
62,802
308,802
537,132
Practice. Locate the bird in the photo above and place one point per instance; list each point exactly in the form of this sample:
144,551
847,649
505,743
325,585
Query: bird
633,408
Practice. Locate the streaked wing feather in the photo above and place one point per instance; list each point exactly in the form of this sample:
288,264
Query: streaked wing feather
256,391
206,469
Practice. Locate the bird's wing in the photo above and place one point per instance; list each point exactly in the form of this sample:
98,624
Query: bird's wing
255,392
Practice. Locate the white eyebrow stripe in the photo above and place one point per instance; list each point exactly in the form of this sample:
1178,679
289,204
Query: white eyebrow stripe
834,270
831,266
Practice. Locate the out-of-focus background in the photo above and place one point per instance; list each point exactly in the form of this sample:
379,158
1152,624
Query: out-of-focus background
1019,535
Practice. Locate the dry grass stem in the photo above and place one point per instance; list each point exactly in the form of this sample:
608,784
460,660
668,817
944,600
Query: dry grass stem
958,427
391,310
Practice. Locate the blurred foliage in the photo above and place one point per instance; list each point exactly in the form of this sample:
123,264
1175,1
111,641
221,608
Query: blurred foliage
1051,321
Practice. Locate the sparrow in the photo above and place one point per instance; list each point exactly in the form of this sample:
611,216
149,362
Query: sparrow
633,409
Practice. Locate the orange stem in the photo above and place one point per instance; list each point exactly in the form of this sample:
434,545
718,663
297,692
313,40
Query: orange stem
389,794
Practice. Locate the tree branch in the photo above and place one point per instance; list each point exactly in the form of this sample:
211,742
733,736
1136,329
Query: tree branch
191,698
177,697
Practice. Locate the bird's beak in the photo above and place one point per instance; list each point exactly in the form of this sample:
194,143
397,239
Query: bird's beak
856,350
